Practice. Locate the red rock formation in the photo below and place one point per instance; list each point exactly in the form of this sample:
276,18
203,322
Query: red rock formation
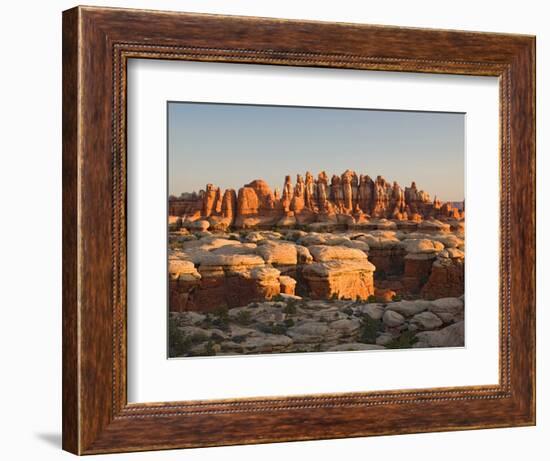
229,204
288,285
186,205
417,272
210,200
266,199
298,200
446,279
183,279
341,279
248,202
232,280
341,272
347,200
384,295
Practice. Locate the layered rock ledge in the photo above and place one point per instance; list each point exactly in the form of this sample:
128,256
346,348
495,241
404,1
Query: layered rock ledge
209,271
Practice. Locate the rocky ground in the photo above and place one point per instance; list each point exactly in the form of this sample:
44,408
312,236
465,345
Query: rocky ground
290,324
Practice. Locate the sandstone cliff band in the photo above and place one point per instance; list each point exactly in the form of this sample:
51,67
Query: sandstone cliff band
346,199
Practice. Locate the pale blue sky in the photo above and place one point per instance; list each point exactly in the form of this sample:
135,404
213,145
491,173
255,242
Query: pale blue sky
230,145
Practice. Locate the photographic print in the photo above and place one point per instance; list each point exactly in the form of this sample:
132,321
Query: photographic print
313,229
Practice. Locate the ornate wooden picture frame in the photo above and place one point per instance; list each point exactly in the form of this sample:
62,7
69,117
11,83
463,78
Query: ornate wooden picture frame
97,44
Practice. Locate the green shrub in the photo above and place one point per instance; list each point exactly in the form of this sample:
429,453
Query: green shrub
198,338
347,310
209,348
397,298
405,341
221,319
291,306
178,343
278,329
176,245
371,299
369,330
216,337
273,329
243,318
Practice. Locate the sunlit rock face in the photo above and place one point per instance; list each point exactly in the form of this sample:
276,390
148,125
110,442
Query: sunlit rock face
339,201
340,237
213,270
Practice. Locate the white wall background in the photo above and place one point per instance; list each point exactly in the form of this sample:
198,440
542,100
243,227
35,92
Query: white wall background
30,251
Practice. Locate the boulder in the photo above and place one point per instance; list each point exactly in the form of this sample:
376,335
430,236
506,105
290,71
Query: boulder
346,327
433,225
198,225
422,246
342,279
288,285
410,308
303,255
312,239
279,253
448,309
451,336
384,339
392,318
426,321
323,253
374,311
310,332
384,295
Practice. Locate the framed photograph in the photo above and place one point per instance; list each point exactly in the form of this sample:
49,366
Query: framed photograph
281,230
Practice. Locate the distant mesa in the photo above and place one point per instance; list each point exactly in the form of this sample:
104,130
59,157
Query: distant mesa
347,200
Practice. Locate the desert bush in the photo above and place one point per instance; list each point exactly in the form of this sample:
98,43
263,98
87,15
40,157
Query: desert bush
404,341
243,318
273,328
209,348
179,344
369,329
291,307
347,310
221,319
278,329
